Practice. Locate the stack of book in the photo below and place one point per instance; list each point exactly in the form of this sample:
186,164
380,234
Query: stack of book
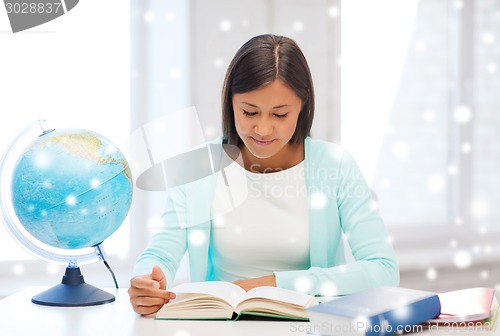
375,311
391,310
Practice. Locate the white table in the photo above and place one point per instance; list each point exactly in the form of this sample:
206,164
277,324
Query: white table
19,317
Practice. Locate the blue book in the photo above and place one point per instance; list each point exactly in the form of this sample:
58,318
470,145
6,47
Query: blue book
374,312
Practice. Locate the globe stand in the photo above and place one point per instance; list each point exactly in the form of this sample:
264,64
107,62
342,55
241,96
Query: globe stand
73,292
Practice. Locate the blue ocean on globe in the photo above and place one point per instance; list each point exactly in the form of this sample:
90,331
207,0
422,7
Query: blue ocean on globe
71,188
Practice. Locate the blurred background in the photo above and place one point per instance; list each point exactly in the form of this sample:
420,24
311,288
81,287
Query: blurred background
410,88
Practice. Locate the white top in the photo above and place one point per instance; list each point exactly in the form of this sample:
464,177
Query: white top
261,223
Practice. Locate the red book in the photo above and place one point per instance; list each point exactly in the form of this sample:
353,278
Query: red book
472,304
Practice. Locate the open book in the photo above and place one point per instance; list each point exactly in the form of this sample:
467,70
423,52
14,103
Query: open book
225,300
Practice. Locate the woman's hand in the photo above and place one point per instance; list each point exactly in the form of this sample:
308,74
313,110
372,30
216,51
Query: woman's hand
148,292
247,284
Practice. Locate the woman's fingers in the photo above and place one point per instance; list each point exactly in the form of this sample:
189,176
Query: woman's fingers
147,295
146,310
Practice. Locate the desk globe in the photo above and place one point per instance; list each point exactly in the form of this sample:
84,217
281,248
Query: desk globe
62,193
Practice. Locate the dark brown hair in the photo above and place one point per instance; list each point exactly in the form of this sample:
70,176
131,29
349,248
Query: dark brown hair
258,62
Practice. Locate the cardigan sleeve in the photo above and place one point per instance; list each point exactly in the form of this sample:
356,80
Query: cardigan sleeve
359,220
167,246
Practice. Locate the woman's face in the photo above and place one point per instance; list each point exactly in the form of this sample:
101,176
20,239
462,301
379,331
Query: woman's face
266,118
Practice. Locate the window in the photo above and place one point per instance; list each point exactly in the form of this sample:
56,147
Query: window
420,104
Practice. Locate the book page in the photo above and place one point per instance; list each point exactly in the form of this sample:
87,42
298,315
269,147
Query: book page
279,294
274,301
226,291
195,307
323,299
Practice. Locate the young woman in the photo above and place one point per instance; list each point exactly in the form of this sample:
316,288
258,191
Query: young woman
300,196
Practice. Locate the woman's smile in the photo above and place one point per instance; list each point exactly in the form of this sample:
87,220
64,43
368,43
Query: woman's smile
262,142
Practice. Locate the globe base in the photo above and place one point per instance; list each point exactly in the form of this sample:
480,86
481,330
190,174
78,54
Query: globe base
73,292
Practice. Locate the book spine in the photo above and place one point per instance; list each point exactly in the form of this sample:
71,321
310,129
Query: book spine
404,319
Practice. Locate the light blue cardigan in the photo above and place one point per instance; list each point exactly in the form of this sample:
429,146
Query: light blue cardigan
340,201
